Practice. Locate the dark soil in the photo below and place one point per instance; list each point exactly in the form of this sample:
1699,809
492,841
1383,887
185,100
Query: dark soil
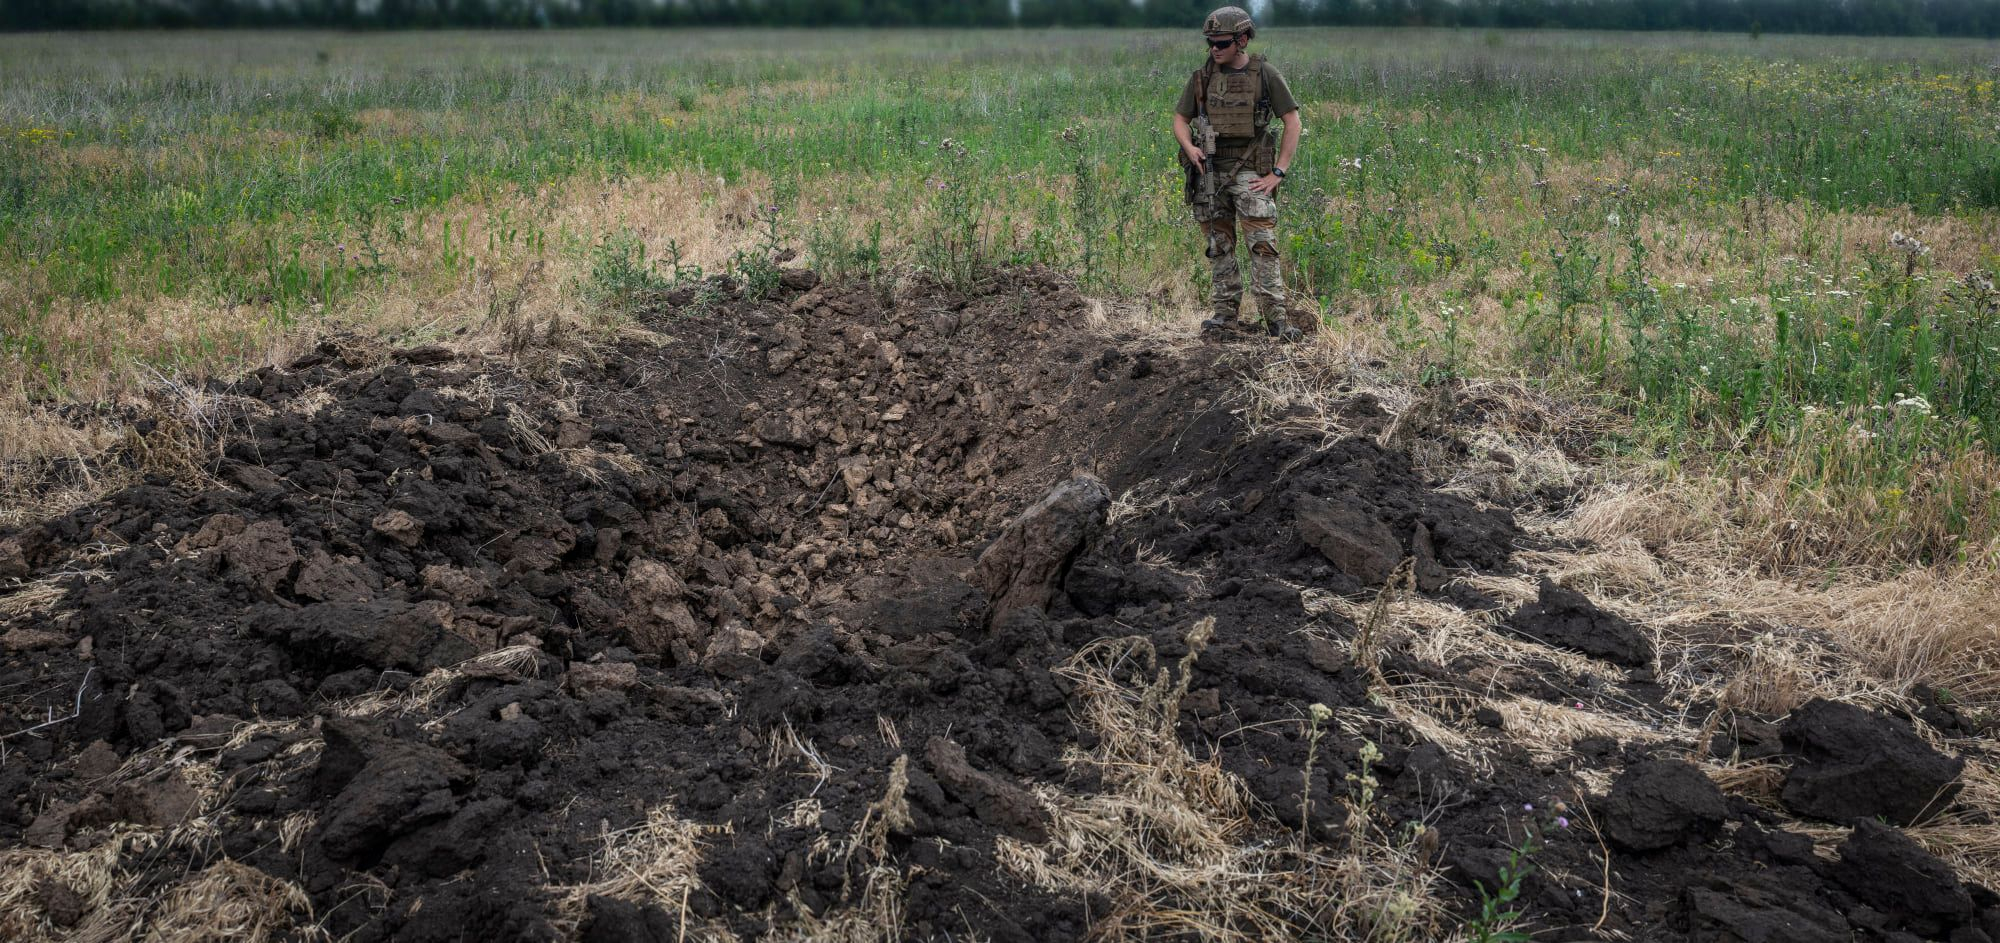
1565,618
1855,765
1662,803
755,558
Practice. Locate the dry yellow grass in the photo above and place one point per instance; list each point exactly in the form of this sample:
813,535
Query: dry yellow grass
653,862
49,466
91,890
92,876
230,902
1171,842
512,662
656,863
426,298
34,599
54,463
1889,630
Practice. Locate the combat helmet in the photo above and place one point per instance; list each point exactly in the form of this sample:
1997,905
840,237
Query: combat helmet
1228,21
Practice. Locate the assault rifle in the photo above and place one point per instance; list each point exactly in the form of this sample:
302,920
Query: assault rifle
1200,187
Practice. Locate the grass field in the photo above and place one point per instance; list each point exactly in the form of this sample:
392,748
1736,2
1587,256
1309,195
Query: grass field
1775,256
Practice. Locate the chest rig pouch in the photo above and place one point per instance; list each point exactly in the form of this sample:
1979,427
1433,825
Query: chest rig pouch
1238,108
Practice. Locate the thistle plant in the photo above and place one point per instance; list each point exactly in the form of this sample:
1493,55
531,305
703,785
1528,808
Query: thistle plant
1361,791
1497,911
1316,718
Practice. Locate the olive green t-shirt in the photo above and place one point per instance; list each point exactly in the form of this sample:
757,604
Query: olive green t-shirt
1275,89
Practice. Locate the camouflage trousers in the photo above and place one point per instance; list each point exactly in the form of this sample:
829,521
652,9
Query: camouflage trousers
1258,212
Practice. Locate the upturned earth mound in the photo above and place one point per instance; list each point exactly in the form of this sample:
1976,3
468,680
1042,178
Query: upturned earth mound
845,614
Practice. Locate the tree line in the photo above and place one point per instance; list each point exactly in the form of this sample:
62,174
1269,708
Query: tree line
1853,17
1861,17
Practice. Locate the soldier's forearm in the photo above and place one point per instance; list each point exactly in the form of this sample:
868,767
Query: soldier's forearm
1181,130
1289,147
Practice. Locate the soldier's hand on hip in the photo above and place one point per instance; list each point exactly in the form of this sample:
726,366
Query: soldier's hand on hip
1267,184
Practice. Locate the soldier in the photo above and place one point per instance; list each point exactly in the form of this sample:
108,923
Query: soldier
1234,166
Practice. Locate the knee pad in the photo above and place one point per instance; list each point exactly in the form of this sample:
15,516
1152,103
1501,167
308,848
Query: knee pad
1221,239
1263,238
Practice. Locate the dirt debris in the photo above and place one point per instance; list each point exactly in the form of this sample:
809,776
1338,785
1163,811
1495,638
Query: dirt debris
995,801
1854,764
1350,538
1024,567
1909,889
797,618
1661,803
1565,618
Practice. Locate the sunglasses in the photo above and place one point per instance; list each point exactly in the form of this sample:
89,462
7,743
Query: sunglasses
1222,43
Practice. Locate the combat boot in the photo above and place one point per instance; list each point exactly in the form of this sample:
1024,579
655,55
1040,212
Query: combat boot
1283,332
1223,322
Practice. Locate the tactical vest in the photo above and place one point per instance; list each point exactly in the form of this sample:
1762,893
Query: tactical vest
1239,108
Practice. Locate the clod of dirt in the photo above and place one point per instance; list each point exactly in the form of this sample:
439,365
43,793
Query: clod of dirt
426,355
399,526
161,803
1428,573
733,652
52,828
28,640
657,619
1759,908
97,761
610,676
918,597
1856,764
1744,736
383,789
261,555
1662,803
13,560
63,905
326,579
1100,588
995,801
1354,541
1566,618
615,921
1027,562
1893,874
214,530
384,634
